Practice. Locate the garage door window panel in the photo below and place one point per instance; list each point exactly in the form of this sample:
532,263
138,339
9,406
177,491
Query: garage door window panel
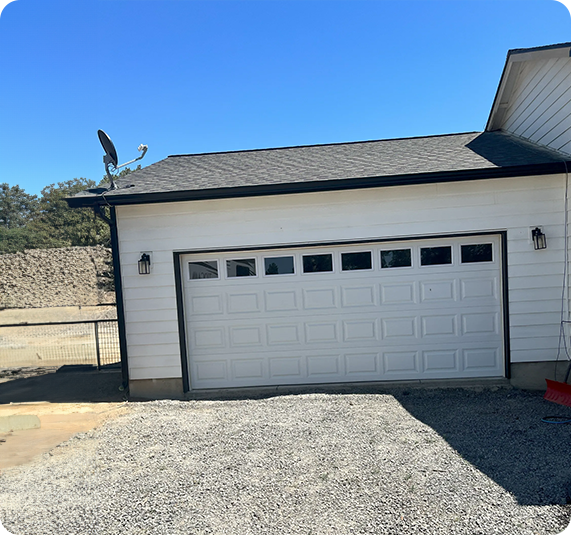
435,256
279,265
318,263
396,258
207,269
476,253
356,261
243,267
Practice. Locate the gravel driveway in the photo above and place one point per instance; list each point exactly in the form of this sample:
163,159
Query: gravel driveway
446,461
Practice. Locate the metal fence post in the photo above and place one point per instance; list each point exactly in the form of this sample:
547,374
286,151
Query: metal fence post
97,352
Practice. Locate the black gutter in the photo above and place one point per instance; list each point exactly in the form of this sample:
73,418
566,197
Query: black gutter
317,186
119,297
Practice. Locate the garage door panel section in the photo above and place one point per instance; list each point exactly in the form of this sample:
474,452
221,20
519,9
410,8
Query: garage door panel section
441,361
202,303
394,293
358,296
482,286
244,302
362,330
281,300
385,311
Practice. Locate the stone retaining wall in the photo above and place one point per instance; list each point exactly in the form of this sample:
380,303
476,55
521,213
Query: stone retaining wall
70,276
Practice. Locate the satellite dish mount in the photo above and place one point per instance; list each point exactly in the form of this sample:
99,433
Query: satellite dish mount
110,159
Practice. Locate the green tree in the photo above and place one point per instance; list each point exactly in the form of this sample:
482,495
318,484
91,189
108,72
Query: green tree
17,208
58,225
15,240
27,222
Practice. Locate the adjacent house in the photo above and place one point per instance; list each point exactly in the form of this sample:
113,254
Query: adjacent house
439,257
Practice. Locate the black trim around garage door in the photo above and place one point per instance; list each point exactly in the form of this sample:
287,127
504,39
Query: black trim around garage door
181,322
505,302
181,319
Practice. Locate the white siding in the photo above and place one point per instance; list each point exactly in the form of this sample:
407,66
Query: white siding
539,106
511,204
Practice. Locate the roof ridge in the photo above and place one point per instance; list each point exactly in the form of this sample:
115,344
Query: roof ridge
321,144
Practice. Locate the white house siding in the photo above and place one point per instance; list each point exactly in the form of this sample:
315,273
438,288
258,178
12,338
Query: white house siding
539,107
512,204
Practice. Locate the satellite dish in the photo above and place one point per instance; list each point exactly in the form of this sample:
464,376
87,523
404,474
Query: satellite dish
110,157
108,147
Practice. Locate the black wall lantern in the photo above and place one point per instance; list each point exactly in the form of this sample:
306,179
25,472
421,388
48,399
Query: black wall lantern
539,240
144,264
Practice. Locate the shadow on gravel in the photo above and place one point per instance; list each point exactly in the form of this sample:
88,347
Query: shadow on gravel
502,435
68,384
499,431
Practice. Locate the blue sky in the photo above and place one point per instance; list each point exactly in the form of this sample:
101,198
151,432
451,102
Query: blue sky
189,76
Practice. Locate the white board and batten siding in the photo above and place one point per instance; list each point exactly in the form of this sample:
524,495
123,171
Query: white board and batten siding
514,205
538,106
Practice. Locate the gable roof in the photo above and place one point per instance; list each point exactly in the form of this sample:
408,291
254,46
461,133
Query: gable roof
416,160
515,61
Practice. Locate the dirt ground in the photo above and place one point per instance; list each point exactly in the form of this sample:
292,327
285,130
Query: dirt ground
66,402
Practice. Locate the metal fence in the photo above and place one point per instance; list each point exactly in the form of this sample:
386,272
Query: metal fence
93,342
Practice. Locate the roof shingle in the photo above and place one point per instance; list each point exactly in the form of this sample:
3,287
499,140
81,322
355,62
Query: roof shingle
453,153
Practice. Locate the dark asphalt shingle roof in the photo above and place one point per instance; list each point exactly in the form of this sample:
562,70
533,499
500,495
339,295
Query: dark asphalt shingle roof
444,154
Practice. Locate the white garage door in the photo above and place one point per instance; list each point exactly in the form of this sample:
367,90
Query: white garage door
385,311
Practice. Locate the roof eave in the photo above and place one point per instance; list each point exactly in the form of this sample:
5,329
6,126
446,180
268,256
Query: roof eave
317,186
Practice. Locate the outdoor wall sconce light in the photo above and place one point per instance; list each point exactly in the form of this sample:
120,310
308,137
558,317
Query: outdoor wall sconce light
144,264
539,240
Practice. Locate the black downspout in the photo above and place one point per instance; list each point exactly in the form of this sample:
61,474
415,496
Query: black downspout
118,289
119,297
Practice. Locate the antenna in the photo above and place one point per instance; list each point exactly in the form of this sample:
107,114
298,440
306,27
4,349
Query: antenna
110,159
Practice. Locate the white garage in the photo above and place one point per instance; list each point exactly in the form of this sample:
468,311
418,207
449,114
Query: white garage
418,309
435,257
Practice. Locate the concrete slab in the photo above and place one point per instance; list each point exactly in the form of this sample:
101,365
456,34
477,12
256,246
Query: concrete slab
343,388
17,422
57,422
61,402
532,375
